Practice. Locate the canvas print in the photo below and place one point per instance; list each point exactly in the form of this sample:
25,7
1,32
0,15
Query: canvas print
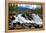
25,16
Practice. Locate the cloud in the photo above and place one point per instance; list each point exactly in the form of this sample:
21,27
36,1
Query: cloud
28,6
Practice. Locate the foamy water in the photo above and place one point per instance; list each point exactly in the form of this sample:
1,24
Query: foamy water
36,19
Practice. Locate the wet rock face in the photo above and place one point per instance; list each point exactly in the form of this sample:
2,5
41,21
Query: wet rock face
23,25
27,16
36,26
18,25
13,18
23,15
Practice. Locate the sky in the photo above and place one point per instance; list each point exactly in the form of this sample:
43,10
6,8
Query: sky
28,6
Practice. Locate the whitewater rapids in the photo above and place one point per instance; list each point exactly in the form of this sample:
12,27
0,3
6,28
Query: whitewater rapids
36,19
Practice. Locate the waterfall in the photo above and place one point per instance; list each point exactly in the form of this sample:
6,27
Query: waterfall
19,18
37,19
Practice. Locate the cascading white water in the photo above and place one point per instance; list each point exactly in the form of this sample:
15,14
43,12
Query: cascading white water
19,18
37,19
